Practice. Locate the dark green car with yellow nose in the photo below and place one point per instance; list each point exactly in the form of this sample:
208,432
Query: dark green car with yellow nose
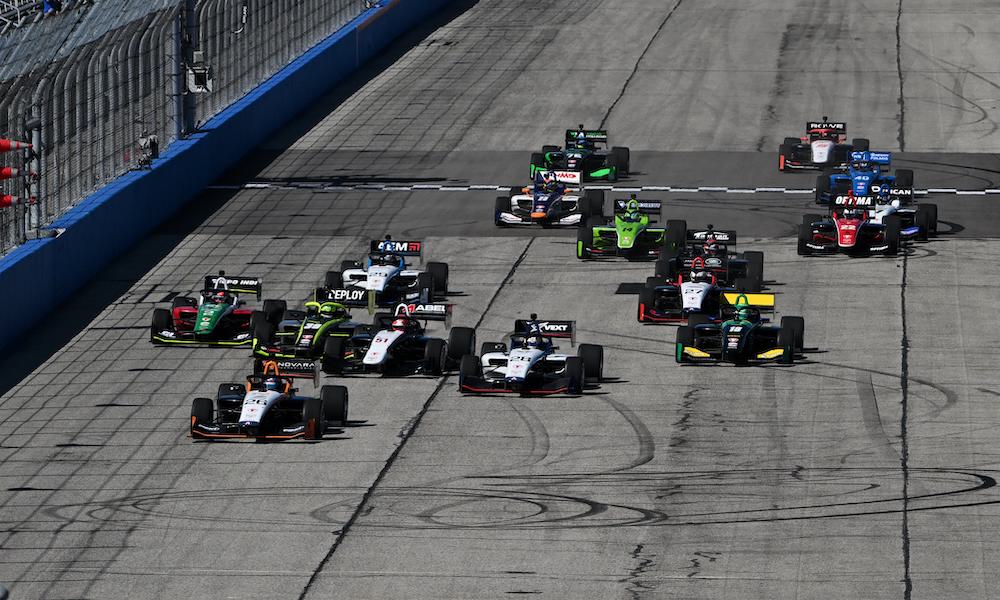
629,233
301,333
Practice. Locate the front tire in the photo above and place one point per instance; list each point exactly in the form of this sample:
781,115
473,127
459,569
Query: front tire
201,412
461,341
162,321
313,418
335,403
435,355
439,272
576,374
685,337
805,237
332,362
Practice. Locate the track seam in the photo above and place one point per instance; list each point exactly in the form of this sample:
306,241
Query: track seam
405,435
901,134
635,69
904,386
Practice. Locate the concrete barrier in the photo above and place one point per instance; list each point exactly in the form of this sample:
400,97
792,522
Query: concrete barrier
37,276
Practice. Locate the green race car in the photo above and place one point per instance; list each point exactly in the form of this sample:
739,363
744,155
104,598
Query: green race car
215,318
581,160
629,233
300,333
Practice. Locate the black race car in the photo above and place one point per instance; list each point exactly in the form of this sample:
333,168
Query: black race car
716,249
300,333
743,338
580,159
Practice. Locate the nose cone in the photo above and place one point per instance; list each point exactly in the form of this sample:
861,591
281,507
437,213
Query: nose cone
250,427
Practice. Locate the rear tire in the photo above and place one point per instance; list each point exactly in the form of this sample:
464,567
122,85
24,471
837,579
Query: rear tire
666,268
274,310
312,416
576,375
755,266
623,156
584,241
674,238
592,356
822,188
922,220
439,271
334,280
335,403
933,210
461,341
594,204
202,412
435,355
860,145
748,284
332,362
797,325
611,162
904,178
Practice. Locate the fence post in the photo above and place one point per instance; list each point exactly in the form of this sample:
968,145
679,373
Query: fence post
189,41
34,133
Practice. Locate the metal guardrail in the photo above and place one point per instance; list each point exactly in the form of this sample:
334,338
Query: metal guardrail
104,87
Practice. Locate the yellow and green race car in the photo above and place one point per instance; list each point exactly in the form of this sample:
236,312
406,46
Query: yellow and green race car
629,233
302,333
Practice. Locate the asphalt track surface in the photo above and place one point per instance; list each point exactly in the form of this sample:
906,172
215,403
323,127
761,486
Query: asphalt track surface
866,471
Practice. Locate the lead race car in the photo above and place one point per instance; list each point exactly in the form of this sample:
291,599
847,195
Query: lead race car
823,147
267,407
744,337
864,225
629,233
215,318
580,159
700,294
531,365
384,278
547,203
397,344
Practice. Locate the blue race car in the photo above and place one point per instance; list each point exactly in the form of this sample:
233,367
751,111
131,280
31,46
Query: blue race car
548,202
865,178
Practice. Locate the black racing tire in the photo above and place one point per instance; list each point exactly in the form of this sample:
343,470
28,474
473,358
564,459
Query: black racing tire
805,236
274,310
439,271
502,205
263,332
697,319
748,284
537,160
425,283
611,162
594,203
488,347
922,219
647,296
755,265
592,356
791,142
469,366
202,411
334,280
183,302
584,240
811,218
797,325
904,178
313,418
549,148
332,361
335,403
577,375
860,145
461,341
786,341
932,214
435,355
892,228
624,156
346,265
822,187
162,320
685,337
674,238
666,268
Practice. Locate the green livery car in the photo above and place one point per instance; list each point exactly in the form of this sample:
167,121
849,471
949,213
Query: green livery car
629,233
215,318
581,159
300,333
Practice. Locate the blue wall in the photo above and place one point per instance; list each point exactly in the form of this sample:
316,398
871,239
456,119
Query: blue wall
37,276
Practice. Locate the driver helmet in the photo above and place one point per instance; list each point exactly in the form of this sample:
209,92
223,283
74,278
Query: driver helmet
745,314
632,209
328,309
271,383
218,297
711,246
549,183
398,324
852,213
861,165
699,276
534,341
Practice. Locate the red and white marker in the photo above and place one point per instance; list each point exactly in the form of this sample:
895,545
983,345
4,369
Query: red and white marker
8,145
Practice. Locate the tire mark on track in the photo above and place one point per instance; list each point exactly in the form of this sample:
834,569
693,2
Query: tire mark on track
901,135
871,417
405,435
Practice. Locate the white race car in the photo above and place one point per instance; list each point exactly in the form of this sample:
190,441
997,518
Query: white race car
531,364
547,203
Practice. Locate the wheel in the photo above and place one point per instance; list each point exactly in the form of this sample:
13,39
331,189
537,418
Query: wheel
488,347
263,332
922,219
592,356
332,362
469,366
425,283
892,227
274,310
666,268
860,145
755,265
685,337
611,162
502,205
791,142
312,416
549,148
810,219
183,302
674,239
576,375
698,319
439,271
461,341
786,341
748,284
933,210
162,321
537,162
435,355
201,411
584,241
647,297
622,159
334,280
347,265
904,178
805,236
797,325
594,203
335,403
822,188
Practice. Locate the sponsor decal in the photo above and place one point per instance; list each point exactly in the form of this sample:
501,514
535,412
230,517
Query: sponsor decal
713,262
645,205
826,125
398,246
427,309
347,295
885,189
854,200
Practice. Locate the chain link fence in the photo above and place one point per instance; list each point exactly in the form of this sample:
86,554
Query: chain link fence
100,89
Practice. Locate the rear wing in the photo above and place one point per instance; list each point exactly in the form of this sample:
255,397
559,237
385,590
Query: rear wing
823,126
879,158
552,329
345,296
762,302
432,311
297,368
649,207
597,136
235,284
726,236
400,247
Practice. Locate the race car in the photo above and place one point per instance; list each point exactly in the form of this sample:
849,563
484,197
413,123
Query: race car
215,318
744,337
531,365
865,177
699,292
823,147
397,344
301,333
580,160
384,278
864,225
267,407
716,249
547,203
629,233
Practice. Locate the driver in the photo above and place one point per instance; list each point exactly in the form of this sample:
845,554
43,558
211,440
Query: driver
632,213
711,247
852,213
271,383
332,310
399,324
581,138
549,184
219,297
700,276
535,341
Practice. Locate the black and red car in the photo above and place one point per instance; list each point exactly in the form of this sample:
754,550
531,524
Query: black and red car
824,146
